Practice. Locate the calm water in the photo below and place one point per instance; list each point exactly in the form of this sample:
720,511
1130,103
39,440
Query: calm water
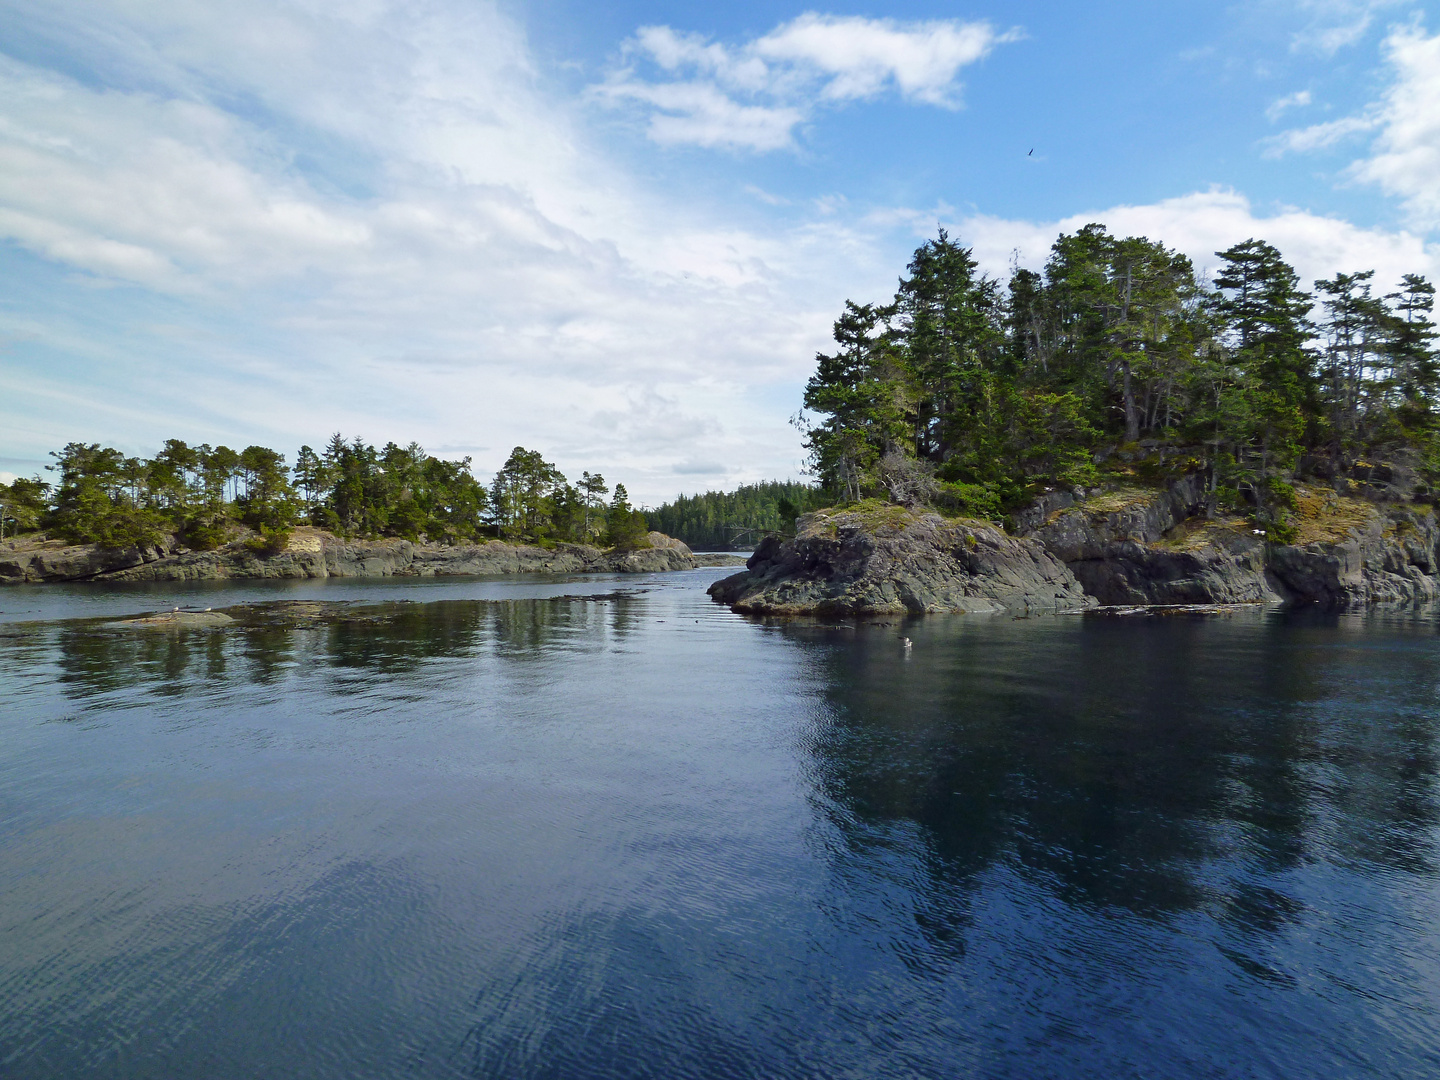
603,828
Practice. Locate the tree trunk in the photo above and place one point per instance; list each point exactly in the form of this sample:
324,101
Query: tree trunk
1132,418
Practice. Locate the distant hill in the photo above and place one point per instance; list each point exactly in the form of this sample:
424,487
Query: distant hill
716,520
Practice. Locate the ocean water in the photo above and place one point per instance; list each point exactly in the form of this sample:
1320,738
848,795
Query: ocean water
601,827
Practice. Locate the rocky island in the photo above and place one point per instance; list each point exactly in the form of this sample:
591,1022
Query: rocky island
1116,429
1123,546
202,513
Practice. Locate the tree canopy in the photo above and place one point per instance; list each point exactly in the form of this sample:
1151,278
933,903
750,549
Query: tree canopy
967,392
199,494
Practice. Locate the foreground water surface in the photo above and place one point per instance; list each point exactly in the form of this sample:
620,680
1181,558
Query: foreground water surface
596,827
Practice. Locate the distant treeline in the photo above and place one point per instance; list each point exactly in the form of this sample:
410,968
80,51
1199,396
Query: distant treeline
201,495
721,520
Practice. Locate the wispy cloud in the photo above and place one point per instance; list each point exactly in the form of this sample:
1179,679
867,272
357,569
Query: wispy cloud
1405,156
753,96
1335,24
1279,107
370,219
1319,136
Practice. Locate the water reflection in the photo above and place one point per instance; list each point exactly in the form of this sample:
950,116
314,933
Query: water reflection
96,659
1120,764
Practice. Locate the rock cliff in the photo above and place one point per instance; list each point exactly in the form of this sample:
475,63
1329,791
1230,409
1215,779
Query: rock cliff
887,559
1146,546
314,554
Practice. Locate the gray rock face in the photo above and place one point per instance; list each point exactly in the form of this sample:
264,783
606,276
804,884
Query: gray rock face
1230,570
57,561
1122,549
316,555
893,560
1088,530
1392,561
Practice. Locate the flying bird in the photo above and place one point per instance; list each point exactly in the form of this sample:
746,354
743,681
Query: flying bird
1032,152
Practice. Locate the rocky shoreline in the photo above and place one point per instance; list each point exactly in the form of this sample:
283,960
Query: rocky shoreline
1126,546
889,560
312,553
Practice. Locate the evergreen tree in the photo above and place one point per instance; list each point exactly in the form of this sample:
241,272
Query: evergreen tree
1410,352
971,400
523,494
626,527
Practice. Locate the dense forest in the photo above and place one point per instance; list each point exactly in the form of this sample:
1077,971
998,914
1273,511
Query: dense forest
973,394
720,521
201,496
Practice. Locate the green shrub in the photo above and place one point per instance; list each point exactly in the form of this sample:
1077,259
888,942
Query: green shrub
969,500
269,541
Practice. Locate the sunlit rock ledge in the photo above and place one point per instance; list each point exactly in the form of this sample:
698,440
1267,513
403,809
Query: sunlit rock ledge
312,553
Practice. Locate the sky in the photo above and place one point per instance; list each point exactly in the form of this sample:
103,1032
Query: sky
619,233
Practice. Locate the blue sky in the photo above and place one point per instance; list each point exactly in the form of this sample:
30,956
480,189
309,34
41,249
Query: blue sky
618,233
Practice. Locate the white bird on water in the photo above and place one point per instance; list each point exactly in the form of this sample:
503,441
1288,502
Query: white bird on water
906,642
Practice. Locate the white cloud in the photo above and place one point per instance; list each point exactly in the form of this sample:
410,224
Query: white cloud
1406,156
395,234
860,57
1202,223
1298,100
701,114
1318,136
755,95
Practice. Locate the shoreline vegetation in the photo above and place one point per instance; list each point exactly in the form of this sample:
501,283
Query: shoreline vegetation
202,498
203,513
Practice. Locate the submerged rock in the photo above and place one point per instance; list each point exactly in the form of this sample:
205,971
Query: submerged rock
890,560
180,620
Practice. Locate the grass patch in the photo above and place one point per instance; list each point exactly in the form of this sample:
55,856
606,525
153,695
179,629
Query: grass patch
1196,533
1321,516
1121,498
868,515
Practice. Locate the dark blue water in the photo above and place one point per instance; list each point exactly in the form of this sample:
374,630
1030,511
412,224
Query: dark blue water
603,828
